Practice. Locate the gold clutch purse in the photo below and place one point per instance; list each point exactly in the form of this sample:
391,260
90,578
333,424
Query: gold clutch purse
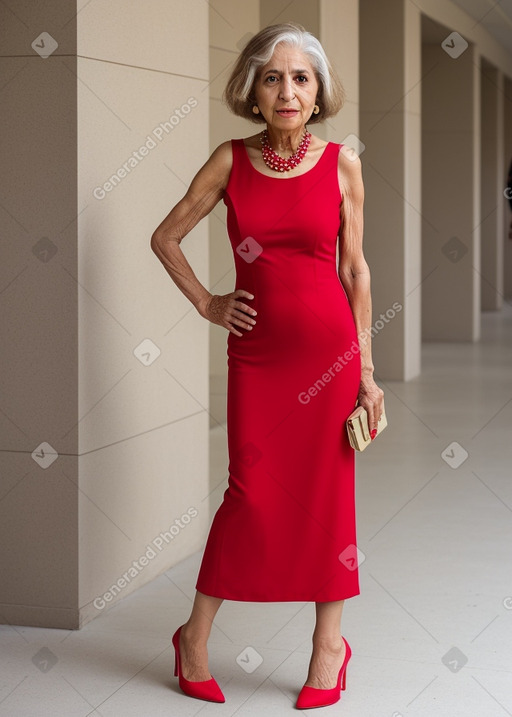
357,428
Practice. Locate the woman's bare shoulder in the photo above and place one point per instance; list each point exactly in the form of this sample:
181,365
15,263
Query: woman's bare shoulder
349,159
220,163
349,162
350,171
222,156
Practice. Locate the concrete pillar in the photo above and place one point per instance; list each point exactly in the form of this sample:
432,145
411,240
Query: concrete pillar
104,364
451,192
339,35
491,192
507,212
39,306
390,130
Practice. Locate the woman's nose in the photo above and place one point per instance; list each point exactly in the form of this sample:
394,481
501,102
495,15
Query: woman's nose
286,90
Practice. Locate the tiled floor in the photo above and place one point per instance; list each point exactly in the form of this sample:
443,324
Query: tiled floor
431,632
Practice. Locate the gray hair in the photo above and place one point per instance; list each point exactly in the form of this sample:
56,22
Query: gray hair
239,91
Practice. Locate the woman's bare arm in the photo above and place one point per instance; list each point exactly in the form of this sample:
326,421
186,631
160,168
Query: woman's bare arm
355,276
204,193
353,270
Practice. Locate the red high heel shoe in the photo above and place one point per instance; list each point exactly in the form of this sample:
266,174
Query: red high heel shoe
314,697
204,690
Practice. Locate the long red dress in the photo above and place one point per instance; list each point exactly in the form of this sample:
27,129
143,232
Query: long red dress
286,528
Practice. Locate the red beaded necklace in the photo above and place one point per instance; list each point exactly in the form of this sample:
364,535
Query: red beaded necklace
281,164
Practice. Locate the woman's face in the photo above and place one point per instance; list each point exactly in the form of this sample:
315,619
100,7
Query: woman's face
287,81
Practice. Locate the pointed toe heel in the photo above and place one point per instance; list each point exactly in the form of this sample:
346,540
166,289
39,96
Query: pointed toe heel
204,690
310,697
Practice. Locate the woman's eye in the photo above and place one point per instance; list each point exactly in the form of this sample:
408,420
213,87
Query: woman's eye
270,79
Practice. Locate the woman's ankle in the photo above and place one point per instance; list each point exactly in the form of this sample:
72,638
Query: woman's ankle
329,642
192,635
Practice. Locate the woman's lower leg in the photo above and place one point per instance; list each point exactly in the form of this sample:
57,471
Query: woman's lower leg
194,637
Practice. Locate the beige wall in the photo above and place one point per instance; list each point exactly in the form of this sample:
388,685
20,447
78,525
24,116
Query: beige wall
301,11
132,435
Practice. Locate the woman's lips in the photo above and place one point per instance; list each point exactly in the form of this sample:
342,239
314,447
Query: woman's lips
287,113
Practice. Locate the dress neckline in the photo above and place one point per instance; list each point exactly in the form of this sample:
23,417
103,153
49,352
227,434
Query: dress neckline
296,176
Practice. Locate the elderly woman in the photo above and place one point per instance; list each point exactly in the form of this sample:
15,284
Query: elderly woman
299,355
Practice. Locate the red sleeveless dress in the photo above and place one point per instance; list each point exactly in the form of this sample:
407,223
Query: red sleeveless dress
286,528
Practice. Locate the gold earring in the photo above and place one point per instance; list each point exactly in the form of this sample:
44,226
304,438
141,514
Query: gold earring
256,110
316,109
